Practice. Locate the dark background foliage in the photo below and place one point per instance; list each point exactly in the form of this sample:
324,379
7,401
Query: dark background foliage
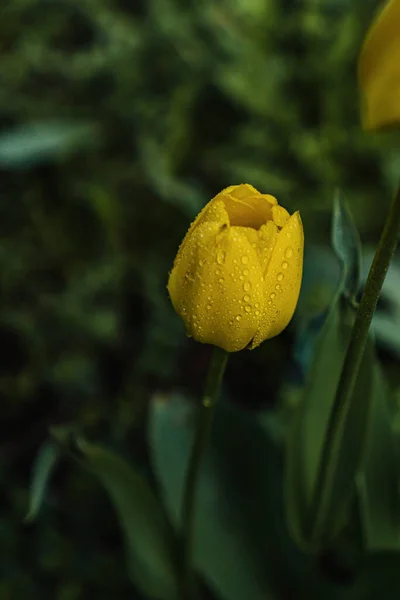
118,121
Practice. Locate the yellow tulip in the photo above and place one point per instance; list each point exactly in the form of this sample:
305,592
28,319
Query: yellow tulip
237,275
379,69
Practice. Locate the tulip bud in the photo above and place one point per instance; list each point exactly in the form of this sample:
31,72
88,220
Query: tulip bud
237,275
379,69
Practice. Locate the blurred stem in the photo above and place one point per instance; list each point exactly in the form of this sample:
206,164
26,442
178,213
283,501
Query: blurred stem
369,300
213,384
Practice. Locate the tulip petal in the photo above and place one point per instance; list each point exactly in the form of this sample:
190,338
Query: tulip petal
263,240
203,231
280,215
214,211
246,207
282,280
379,69
223,300
234,293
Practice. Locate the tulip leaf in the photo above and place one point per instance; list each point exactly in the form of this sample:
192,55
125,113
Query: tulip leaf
347,246
345,452
39,142
44,465
242,547
150,542
312,525
309,423
377,482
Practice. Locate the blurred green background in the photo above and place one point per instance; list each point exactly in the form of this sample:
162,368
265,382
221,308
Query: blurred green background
119,120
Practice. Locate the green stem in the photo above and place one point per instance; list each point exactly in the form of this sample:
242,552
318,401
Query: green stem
211,393
369,300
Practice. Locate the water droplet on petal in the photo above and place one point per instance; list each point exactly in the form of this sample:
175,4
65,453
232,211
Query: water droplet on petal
247,286
284,265
280,276
202,262
209,307
246,298
257,313
218,272
238,317
272,295
269,302
245,272
245,260
247,308
221,255
221,280
277,287
289,252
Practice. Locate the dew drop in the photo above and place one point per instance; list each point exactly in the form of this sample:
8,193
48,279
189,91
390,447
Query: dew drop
241,277
245,272
247,308
209,307
279,276
238,317
257,305
247,286
289,252
221,255
284,265
257,313
289,235
277,287
218,272
272,295
202,262
246,298
269,302
221,280
245,260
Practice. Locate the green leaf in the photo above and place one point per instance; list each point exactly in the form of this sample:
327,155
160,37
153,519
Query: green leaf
347,245
242,546
44,465
377,482
150,542
34,143
307,430
346,452
310,524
